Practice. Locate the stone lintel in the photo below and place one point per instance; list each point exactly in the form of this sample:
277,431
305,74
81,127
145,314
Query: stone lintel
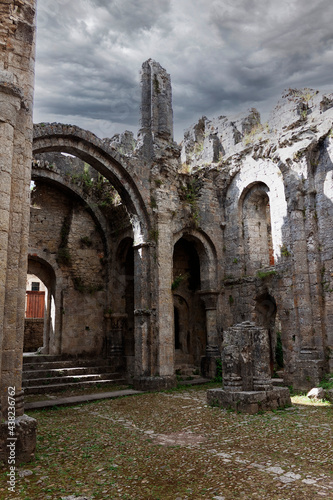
250,401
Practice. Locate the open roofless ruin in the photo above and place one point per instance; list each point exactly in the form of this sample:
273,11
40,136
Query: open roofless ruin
152,253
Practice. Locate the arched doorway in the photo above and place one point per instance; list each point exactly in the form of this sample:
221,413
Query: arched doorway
189,313
40,318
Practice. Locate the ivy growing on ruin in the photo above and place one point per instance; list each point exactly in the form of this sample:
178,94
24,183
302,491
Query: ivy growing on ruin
190,193
63,255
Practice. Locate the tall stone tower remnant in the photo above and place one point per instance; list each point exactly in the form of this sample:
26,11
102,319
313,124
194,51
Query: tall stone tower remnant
156,103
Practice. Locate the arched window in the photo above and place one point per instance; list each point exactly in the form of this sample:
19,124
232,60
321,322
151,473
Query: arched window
257,231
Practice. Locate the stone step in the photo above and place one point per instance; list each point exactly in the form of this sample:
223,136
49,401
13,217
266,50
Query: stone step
66,363
278,382
43,389
42,358
63,372
69,379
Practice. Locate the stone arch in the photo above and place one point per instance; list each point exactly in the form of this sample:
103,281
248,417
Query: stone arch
207,255
255,215
111,164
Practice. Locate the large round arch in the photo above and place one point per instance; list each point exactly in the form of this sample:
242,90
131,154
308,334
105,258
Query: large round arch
59,181
207,255
111,164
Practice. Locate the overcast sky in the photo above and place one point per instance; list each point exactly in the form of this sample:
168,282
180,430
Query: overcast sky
224,56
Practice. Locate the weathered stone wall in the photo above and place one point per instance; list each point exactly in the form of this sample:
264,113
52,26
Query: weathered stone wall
63,231
289,160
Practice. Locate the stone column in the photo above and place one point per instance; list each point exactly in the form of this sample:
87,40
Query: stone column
154,339
144,314
16,96
166,341
309,364
208,362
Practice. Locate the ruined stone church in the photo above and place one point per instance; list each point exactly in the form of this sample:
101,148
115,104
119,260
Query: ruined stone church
150,250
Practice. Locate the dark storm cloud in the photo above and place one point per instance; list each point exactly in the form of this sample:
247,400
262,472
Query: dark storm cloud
223,56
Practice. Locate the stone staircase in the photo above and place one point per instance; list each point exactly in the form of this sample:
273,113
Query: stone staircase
45,373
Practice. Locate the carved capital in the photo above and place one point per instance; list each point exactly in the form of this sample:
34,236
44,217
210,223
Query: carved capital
209,298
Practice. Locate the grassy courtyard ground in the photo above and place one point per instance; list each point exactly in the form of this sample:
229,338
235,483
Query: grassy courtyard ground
171,445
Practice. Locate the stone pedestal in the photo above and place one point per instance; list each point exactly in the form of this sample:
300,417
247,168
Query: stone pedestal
250,401
246,373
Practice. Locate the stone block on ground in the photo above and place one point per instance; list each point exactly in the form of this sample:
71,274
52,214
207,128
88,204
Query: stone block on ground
23,449
316,393
250,401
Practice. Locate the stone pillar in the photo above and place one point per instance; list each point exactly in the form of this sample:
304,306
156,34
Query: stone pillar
310,363
245,358
246,374
208,362
146,344
143,311
16,97
166,341
154,342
